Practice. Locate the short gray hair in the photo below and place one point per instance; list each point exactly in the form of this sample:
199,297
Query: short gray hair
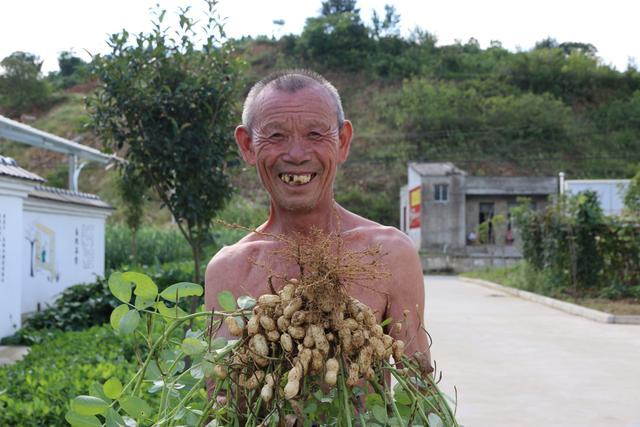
290,81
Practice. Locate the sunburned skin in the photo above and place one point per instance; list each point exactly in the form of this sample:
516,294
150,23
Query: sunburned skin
297,134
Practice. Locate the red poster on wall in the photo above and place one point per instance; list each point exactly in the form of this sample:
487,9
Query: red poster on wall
415,201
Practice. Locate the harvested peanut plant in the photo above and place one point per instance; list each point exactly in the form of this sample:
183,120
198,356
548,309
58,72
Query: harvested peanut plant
307,354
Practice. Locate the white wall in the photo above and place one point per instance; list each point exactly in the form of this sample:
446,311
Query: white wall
610,192
12,193
62,246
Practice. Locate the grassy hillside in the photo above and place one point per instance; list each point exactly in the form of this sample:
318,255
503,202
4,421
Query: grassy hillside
491,111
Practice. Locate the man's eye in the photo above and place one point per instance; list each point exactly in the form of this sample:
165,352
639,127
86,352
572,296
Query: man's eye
314,135
276,135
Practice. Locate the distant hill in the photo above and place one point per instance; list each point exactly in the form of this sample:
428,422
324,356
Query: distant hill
490,111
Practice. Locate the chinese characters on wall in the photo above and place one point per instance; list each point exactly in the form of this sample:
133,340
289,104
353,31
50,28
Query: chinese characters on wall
87,240
3,246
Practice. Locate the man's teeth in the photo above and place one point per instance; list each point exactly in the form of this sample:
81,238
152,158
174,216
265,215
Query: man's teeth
296,179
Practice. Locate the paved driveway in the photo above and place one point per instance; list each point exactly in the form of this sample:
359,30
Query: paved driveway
516,363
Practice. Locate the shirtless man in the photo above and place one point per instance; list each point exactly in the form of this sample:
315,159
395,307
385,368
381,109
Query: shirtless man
295,134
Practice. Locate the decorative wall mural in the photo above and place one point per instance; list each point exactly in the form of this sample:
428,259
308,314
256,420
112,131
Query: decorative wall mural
43,251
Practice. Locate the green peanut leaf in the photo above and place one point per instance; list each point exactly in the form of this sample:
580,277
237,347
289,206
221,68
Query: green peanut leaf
88,405
402,397
135,407
197,371
79,420
192,346
373,399
117,314
169,312
142,303
119,287
380,414
95,390
218,342
184,289
129,322
114,419
246,302
227,301
145,288
404,410
112,388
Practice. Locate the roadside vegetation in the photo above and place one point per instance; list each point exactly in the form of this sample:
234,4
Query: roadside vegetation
573,252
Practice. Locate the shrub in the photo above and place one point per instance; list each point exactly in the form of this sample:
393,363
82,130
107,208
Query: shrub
22,88
36,390
78,307
580,252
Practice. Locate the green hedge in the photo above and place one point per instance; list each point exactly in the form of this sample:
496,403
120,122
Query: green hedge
36,390
579,251
78,307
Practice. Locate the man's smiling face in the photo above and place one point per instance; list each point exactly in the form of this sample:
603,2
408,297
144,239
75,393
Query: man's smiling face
296,145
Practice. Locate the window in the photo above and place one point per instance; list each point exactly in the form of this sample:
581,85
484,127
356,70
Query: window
441,192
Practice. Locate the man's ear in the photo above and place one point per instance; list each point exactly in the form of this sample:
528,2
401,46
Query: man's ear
243,139
346,133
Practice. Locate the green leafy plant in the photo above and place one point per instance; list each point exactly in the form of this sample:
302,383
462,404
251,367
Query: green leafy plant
35,391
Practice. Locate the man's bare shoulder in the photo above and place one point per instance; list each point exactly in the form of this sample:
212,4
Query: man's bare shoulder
230,265
389,238
400,256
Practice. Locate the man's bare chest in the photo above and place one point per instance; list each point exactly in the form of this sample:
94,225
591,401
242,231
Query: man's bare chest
264,267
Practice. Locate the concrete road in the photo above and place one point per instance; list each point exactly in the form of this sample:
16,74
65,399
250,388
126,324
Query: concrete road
516,363
11,354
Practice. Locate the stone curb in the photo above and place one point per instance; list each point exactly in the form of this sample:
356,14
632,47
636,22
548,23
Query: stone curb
567,307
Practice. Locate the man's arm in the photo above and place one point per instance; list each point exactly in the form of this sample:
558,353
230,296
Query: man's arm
216,281
407,297
213,278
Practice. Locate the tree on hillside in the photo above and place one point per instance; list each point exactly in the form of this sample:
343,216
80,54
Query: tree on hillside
73,70
337,7
69,63
387,26
22,88
169,106
338,38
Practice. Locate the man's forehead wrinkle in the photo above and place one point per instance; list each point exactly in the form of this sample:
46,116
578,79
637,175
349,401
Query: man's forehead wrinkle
292,115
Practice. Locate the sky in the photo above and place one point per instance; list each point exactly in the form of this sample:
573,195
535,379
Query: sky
47,27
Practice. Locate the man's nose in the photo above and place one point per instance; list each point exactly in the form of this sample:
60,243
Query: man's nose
298,151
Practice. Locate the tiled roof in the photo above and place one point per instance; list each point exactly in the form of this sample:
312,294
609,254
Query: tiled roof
9,167
68,196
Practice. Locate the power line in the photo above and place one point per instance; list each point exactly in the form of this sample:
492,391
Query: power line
520,159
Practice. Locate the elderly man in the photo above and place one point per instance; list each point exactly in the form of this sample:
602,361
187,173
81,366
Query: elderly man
295,134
